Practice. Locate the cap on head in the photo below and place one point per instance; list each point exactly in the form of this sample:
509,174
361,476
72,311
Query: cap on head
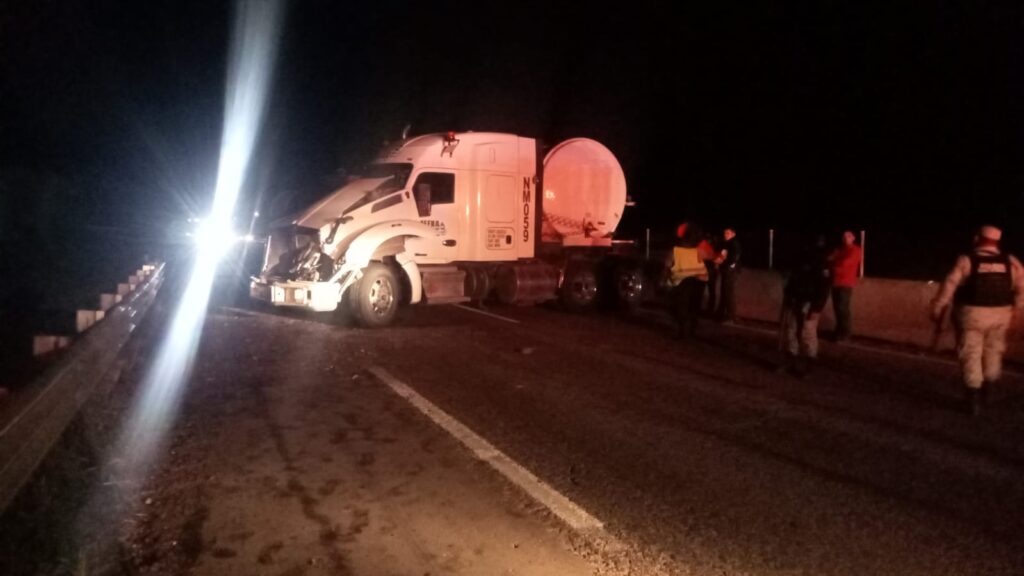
990,233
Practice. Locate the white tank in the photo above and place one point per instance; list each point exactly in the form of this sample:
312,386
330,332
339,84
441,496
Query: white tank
584,193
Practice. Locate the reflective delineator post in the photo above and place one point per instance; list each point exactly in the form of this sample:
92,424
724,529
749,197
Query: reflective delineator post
861,271
647,246
771,248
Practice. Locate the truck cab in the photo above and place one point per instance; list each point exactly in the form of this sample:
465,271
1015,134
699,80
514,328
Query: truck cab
438,218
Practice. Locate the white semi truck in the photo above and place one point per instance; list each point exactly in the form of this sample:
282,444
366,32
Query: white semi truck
457,217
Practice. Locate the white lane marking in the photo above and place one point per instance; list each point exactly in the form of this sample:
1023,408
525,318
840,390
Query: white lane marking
478,311
570,513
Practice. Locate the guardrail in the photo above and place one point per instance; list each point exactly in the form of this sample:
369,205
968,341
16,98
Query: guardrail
33,420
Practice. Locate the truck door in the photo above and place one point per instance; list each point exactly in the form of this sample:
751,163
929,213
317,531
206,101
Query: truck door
500,209
435,202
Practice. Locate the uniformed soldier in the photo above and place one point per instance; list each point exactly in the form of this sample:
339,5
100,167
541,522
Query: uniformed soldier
986,288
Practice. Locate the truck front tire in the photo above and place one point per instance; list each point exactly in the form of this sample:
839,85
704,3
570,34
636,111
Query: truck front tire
376,296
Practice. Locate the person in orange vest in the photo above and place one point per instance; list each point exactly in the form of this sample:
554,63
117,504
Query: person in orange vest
688,277
844,264
986,289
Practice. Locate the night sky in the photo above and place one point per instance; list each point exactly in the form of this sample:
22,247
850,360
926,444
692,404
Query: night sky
905,119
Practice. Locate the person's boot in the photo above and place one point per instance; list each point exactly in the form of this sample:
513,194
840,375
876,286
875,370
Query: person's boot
786,365
809,363
983,394
801,365
974,401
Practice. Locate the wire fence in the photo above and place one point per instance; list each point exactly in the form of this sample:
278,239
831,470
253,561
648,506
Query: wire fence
888,252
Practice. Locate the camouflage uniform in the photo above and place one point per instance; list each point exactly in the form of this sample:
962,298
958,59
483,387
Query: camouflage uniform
985,288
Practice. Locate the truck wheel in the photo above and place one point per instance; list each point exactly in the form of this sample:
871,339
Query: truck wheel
630,288
376,296
579,289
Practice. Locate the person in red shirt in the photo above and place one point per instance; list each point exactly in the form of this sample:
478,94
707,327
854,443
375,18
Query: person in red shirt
844,266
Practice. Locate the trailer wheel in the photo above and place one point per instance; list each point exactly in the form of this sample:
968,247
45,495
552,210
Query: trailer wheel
630,289
376,296
579,289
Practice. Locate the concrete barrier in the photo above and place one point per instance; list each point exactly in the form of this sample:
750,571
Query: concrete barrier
107,301
43,344
84,319
890,310
81,320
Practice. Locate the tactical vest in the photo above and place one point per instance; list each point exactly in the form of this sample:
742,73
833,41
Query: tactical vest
990,283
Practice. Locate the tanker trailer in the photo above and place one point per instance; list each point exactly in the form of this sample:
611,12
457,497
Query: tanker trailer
457,217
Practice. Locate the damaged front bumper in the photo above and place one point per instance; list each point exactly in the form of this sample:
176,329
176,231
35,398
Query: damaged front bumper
317,296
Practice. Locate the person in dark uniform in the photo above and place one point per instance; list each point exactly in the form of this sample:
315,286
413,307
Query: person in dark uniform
803,299
711,263
728,269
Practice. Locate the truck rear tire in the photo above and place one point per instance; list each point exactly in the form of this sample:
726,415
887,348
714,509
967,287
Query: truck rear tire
376,296
629,288
579,288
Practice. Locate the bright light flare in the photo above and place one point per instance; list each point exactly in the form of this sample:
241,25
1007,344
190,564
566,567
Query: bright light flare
252,52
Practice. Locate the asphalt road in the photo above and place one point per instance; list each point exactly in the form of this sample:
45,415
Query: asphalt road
700,455
290,457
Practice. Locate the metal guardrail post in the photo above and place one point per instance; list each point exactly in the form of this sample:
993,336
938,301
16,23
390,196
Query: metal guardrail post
34,419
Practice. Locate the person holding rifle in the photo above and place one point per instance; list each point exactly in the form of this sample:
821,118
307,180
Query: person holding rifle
986,289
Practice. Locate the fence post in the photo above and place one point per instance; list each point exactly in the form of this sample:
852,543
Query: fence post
771,248
862,253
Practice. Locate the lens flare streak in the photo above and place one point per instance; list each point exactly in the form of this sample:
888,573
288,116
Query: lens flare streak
252,53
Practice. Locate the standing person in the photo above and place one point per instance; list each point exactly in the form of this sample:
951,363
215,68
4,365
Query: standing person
688,277
711,263
986,288
803,300
728,269
844,264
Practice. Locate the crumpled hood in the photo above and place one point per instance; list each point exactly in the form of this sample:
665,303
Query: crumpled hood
331,207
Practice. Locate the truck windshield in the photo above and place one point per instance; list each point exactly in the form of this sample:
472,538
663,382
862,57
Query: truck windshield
396,176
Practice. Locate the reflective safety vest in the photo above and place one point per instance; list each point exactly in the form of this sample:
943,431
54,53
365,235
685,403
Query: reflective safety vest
686,263
990,283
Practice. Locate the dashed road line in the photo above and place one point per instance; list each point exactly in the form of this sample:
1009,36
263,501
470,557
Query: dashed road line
478,311
571,513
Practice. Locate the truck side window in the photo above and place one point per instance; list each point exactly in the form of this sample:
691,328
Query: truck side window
433,188
422,193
